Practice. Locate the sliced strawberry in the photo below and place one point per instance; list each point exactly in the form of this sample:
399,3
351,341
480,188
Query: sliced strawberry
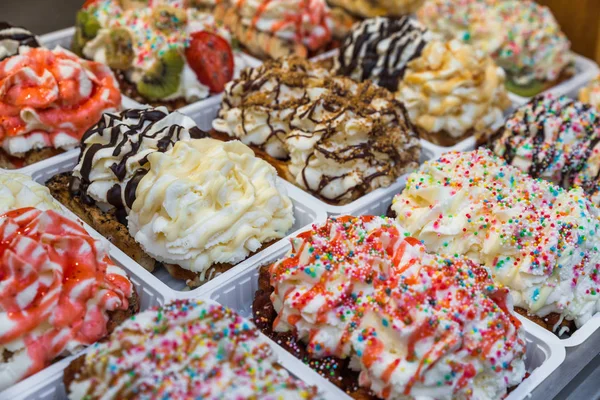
88,3
211,58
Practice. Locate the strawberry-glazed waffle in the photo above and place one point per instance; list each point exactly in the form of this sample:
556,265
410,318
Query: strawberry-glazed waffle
358,298
59,291
48,99
279,28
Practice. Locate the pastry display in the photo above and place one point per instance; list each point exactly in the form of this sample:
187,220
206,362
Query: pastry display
333,137
554,138
537,239
197,206
59,289
270,29
364,304
185,349
522,36
591,93
49,98
377,8
163,53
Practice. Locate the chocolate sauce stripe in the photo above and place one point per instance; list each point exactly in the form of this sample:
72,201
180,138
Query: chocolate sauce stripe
121,135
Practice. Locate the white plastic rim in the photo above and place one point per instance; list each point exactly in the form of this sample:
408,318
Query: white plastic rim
64,38
306,212
544,351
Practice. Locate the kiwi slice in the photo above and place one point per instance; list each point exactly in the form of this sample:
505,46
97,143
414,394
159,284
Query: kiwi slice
168,19
531,89
163,77
119,52
86,28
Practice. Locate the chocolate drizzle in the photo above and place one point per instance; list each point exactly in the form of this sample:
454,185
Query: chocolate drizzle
364,55
309,103
560,135
11,38
126,133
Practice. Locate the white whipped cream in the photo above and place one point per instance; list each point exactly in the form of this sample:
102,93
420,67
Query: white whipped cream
20,191
205,202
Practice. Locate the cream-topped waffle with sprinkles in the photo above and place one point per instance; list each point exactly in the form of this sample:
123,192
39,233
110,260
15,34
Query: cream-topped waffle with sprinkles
412,324
538,239
183,350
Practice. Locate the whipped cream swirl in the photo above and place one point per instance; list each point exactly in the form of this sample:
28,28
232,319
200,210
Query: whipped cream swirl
186,349
114,152
455,89
49,98
537,239
415,325
379,49
475,22
205,202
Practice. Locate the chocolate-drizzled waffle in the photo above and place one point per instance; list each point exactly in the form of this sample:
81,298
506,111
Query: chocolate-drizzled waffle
338,139
113,161
556,139
380,49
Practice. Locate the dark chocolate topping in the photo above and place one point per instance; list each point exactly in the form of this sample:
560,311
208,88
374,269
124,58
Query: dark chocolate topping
126,133
361,57
12,37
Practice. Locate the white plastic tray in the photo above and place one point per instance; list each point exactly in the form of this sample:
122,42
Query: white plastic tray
47,384
306,212
205,113
544,352
64,38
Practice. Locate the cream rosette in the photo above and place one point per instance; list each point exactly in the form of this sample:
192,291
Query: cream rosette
455,89
206,201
